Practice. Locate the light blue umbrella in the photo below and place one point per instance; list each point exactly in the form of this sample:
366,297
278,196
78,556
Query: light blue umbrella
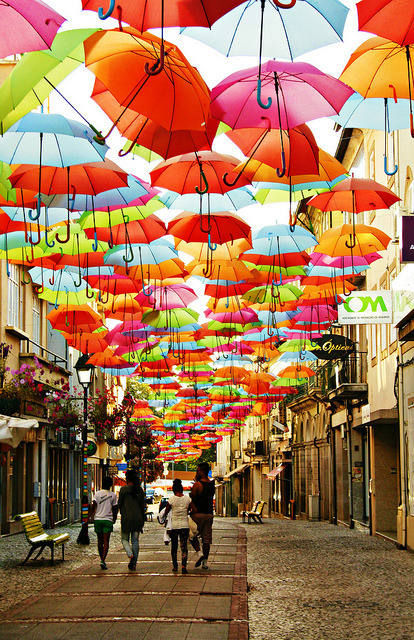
47,218
50,139
297,356
120,197
287,33
369,113
59,280
140,254
211,202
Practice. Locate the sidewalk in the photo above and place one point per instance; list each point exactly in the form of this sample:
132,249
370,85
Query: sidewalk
151,603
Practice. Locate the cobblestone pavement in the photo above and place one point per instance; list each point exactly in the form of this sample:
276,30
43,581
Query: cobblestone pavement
151,603
311,581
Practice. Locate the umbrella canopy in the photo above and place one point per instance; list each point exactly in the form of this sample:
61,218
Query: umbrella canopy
78,317
348,239
117,58
289,33
145,15
196,172
27,26
37,73
218,227
302,91
393,19
212,202
55,139
355,195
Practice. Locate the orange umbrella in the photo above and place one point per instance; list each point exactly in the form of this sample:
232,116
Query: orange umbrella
163,272
176,96
216,228
296,371
355,195
226,251
107,358
233,270
86,342
80,317
144,132
348,240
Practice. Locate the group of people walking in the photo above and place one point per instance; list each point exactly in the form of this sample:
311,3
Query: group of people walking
198,506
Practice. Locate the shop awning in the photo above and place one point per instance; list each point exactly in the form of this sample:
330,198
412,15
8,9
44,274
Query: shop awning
237,470
275,472
13,430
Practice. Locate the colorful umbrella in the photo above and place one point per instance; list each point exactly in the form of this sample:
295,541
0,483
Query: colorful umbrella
27,26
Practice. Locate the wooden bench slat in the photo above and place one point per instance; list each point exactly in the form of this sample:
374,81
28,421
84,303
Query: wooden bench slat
37,537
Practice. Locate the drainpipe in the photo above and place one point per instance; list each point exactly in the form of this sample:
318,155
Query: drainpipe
319,477
332,439
349,456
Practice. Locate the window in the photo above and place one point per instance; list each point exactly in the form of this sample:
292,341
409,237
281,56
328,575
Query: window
36,322
15,298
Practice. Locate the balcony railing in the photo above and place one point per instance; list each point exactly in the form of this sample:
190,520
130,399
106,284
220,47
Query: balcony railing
45,353
351,369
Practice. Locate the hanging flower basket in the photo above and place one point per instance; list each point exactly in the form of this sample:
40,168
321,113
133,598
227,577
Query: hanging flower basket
113,442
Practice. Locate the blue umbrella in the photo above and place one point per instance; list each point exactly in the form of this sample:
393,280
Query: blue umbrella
139,254
286,33
48,217
368,113
211,202
50,139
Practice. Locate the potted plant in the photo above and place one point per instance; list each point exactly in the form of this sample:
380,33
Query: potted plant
105,415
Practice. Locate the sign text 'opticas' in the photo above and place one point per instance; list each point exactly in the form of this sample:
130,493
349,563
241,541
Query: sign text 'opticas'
366,307
332,347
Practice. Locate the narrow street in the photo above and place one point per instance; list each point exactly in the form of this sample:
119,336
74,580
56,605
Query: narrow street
312,580
305,581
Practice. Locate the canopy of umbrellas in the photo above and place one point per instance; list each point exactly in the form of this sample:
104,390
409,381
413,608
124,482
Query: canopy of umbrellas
87,231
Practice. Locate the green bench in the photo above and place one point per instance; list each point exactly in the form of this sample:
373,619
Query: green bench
38,539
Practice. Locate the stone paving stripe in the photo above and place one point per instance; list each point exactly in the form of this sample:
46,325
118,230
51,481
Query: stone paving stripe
73,620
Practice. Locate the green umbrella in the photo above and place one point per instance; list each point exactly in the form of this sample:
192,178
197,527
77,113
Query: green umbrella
260,295
171,318
63,297
295,345
37,74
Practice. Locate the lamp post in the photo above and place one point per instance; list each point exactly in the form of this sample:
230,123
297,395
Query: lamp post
84,372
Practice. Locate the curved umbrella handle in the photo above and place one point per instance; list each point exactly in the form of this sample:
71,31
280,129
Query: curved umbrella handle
259,98
40,289
49,244
205,181
104,16
235,181
281,173
394,90
33,242
211,245
78,284
125,258
389,173
65,240
99,137
88,295
281,5
352,241
158,66
24,281
278,284
95,242
302,355
36,216
411,125
292,222
201,224
148,293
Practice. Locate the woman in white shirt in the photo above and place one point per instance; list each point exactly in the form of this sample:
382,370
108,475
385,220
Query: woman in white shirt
179,505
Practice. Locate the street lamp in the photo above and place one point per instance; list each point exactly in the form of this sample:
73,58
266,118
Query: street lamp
84,371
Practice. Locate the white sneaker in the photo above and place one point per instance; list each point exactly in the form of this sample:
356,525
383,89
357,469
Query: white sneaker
200,558
204,565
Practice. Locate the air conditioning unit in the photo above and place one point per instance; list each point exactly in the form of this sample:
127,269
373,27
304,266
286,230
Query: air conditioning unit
236,455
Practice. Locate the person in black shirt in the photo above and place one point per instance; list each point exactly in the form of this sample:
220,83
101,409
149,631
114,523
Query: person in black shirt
202,494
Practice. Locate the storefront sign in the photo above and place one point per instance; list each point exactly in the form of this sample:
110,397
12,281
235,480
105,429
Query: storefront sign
332,347
407,239
366,307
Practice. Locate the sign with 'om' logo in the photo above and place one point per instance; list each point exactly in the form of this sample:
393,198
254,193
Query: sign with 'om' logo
366,307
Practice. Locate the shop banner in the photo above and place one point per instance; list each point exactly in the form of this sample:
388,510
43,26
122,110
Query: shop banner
332,347
366,307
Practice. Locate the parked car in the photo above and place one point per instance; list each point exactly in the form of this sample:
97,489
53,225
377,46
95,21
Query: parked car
149,494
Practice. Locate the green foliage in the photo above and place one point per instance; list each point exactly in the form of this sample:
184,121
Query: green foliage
139,390
208,455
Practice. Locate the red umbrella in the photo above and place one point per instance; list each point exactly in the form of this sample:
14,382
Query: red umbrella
200,172
146,14
217,227
355,195
134,231
391,19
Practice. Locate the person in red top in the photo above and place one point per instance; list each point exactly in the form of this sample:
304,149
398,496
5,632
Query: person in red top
202,495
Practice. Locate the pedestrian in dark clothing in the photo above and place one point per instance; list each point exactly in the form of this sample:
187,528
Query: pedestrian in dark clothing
131,502
202,494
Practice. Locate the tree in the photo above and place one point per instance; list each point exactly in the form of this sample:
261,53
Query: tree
139,390
208,455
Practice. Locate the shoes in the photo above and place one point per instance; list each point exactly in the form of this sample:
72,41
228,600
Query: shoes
205,565
103,565
184,570
199,560
175,569
132,563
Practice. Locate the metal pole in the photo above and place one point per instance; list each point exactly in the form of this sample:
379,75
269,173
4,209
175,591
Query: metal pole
84,536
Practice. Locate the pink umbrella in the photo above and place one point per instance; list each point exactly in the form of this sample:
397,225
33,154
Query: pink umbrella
321,314
323,260
175,296
298,91
244,316
27,25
